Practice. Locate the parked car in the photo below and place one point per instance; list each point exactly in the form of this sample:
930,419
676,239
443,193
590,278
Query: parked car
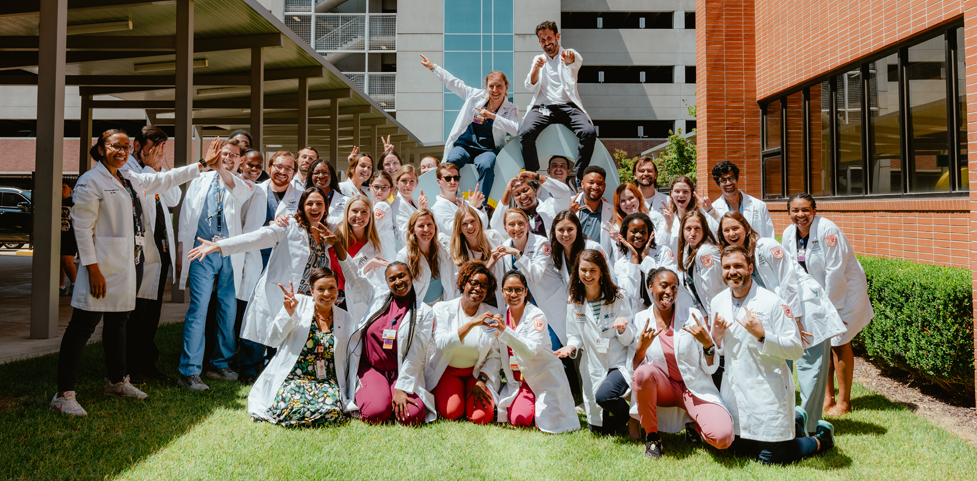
16,217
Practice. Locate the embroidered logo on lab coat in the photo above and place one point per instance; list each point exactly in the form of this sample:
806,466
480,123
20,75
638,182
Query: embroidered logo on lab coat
787,311
379,214
706,260
546,249
777,252
831,240
538,324
670,255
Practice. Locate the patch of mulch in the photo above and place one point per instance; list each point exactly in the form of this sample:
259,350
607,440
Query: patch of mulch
955,414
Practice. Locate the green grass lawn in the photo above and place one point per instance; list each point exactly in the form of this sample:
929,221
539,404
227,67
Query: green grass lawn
181,435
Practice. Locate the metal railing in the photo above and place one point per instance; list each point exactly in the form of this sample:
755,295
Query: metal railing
347,32
381,87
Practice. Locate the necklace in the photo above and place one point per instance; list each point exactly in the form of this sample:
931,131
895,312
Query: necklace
324,321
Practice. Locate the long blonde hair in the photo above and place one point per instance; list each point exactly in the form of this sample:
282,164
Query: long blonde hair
414,249
460,253
345,232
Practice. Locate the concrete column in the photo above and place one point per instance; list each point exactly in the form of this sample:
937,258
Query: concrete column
334,132
303,113
680,126
679,20
85,135
183,120
678,74
356,132
374,140
47,177
258,98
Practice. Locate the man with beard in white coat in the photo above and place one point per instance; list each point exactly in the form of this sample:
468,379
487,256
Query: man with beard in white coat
756,332
727,174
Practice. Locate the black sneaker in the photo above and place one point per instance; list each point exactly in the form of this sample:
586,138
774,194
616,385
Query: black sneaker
247,379
653,446
826,435
692,436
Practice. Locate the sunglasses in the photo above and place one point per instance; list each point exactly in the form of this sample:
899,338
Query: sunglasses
451,178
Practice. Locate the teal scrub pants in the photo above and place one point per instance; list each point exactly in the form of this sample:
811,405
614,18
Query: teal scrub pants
812,376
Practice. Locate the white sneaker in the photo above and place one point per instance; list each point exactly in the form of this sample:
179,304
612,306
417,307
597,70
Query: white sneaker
123,388
580,409
67,405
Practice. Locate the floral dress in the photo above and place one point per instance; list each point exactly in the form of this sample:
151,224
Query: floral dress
305,399
318,257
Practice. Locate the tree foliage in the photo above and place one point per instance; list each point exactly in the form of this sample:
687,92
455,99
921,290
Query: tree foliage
678,158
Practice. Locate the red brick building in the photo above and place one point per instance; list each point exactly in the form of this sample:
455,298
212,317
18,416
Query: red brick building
865,105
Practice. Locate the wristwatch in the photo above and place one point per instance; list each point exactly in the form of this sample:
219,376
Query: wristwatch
482,377
762,338
709,352
203,164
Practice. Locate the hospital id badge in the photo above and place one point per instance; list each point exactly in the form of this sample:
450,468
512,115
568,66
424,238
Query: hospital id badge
320,369
544,111
218,238
388,338
140,240
603,344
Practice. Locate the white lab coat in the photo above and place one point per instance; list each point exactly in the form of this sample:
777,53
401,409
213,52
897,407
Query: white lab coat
253,218
233,205
696,372
707,273
361,288
753,209
657,225
289,334
498,269
606,217
583,332
290,201
404,209
447,321
568,74
410,365
289,256
627,274
104,232
384,218
448,274
169,198
808,303
559,200
832,263
757,387
506,118
349,190
444,214
541,369
550,286
657,202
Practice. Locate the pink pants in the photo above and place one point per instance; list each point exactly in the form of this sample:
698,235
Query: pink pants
375,395
522,411
452,399
653,388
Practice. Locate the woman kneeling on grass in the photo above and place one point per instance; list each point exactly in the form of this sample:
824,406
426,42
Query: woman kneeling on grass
536,387
301,385
673,367
465,366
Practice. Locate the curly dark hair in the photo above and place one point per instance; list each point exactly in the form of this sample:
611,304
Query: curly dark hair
724,168
804,196
472,268
547,25
624,230
609,292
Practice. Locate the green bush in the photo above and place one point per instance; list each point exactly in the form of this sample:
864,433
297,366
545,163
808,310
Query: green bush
923,323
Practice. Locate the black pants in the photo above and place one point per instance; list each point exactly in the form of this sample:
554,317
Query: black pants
252,353
141,351
610,398
783,452
80,329
567,114
210,331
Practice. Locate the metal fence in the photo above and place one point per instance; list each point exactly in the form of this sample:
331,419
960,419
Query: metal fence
382,87
346,32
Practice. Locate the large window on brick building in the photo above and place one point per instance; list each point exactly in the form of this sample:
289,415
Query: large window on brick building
894,124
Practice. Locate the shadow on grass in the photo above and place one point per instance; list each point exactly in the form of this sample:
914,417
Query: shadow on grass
878,402
116,434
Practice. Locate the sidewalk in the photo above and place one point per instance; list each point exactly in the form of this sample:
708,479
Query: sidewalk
15,299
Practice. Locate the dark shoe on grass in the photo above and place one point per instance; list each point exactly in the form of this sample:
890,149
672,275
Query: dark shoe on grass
193,383
653,446
247,379
800,422
692,436
826,435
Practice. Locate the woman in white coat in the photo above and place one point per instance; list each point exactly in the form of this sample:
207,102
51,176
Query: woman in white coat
358,235
303,385
384,213
297,248
816,317
323,176
406,182
599,324
113,241
465,366
700,272
385,367
682,199
673,366
479,132
536,389
822,250
357,175
638,255
754,329
470,241
426,255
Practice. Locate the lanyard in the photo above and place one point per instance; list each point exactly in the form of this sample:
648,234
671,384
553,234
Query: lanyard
221,195
136,213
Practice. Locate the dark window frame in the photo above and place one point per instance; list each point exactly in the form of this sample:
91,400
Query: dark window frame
951,51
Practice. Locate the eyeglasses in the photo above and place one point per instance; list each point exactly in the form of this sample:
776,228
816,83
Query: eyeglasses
727,180
283,169
514,291
380,187
253,166
451,178
477,285
119,147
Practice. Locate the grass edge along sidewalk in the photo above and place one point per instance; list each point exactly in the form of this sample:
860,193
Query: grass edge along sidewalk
177,434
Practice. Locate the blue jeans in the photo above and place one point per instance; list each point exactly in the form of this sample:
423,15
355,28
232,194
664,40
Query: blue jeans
484,162
200,281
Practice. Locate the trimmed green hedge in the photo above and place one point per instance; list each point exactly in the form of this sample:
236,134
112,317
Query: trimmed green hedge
923,321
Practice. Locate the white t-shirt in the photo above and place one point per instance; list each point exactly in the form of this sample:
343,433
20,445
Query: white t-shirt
467,355
552,89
